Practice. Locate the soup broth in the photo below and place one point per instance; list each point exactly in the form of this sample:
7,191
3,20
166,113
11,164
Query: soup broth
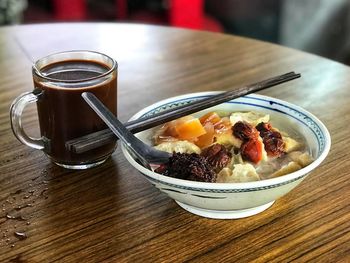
238,146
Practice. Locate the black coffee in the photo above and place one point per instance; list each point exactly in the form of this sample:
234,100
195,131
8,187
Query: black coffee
74,70
64,115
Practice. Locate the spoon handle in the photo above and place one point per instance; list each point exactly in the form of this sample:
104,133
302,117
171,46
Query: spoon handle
131,142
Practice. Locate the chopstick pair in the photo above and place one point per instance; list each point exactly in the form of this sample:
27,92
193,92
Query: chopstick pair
97,139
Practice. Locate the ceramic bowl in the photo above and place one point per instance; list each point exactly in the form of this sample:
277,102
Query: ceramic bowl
237,200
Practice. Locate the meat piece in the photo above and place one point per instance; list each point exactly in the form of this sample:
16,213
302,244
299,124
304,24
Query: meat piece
274,144
272,139
263,127
244,131
162,169
217,155
188,167
251,150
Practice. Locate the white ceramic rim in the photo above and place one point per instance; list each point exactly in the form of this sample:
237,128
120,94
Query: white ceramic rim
231,186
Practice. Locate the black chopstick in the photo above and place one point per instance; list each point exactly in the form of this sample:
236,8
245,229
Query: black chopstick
97,139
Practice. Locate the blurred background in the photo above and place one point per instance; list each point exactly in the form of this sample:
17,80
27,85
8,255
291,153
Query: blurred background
321,27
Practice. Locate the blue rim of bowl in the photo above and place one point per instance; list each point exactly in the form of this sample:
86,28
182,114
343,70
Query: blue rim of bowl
306,118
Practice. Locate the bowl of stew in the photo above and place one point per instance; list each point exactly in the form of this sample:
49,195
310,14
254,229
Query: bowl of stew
236,159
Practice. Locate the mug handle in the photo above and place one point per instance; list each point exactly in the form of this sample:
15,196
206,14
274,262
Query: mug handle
16,110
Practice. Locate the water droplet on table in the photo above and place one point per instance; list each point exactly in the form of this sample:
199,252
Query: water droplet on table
20,218
20,235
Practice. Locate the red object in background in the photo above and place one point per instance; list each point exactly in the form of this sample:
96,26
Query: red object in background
190,14
181,13
122,9
184,13
212,25
70,9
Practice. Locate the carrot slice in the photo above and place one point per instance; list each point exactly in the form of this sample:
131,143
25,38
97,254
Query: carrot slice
207,139
170,127
189,129
211,117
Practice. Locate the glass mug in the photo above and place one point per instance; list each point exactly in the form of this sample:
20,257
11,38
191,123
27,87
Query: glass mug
59,80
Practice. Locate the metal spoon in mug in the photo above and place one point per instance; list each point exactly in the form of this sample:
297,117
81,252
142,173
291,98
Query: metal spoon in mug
146,154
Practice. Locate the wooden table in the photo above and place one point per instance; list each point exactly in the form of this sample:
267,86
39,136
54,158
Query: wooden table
111,213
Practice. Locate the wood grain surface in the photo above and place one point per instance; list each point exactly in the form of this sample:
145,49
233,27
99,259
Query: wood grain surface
111,213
